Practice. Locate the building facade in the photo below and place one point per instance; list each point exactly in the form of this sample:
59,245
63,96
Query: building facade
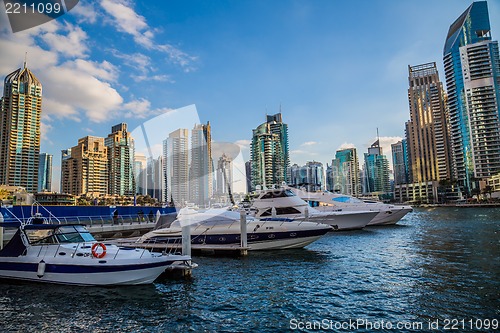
472,69
140,174
224,180
400,162
269,152
427,135
84,168
345,172
201,169
120,147
45,173
376,171
176,155
20,112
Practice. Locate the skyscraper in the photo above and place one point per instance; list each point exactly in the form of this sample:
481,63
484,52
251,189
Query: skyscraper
21,108
400,162
45,173
311,176
427,130
85,170
224,175
120,147
269,152
345,172
376,170
140,174
177,165
201,170
472,69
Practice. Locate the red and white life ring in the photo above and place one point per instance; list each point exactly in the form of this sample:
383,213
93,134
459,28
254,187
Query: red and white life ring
97,254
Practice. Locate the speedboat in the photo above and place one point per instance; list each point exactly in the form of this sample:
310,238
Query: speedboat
387,214
222,227
69,254
282,202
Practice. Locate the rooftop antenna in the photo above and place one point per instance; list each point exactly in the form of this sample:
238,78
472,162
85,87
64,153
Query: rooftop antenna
378,138
25,59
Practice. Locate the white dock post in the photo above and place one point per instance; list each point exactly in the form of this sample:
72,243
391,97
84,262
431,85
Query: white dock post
306,212
186,240
243,229
273,212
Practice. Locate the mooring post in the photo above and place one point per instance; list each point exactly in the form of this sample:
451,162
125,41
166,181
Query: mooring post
273,212
243,229
186,240
306,212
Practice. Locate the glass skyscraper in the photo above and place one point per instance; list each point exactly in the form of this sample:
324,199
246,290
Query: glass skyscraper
472,69
345,172
20,111
376,170
269,152
45,173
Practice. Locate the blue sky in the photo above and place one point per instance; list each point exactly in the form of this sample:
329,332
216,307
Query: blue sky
338,69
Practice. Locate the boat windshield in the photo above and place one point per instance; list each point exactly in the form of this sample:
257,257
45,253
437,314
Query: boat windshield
62,234
73,234
347,199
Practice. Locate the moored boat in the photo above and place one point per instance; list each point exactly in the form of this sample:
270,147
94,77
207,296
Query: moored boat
222,227
69,254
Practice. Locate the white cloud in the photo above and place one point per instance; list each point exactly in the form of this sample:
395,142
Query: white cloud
126,20
141,108
309,143
70,45
346,145
159,78
86,12
45,128
244,144
137,61
101,70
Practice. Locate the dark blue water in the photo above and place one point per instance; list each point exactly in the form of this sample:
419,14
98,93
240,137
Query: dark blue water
436,264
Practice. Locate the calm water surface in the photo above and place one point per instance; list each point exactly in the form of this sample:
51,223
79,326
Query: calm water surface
436,264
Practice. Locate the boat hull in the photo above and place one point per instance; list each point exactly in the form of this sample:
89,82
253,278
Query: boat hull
258,236
342,222
389,217
99,273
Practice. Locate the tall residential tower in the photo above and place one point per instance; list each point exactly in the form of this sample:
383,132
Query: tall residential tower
21,108
472,69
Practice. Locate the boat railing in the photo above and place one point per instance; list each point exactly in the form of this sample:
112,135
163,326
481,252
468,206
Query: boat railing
96,220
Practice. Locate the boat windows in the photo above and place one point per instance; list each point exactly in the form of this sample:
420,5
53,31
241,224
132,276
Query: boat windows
43,236
73,234
281,211
278,194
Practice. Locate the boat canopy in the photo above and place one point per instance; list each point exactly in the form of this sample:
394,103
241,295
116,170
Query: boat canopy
346,199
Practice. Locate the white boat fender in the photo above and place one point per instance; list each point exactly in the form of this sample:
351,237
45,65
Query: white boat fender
41,269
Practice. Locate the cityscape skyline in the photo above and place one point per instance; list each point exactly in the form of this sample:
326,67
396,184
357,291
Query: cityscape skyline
105,68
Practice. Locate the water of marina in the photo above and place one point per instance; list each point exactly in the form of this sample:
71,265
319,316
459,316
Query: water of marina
436,264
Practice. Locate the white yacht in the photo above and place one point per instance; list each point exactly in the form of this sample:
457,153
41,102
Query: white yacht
387,214
69,254
282,202
222,227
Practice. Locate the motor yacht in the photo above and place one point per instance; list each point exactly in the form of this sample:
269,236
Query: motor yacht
282,202
69,254
223,227
387,214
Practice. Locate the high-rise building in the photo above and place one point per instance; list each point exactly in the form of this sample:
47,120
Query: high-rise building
224,175
84,168
21,108
248,176
472,69
201,170
427,130
140,173
376,170
120,161
345,172
400,162
311,176
269,152
177,165
45,173
155,178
